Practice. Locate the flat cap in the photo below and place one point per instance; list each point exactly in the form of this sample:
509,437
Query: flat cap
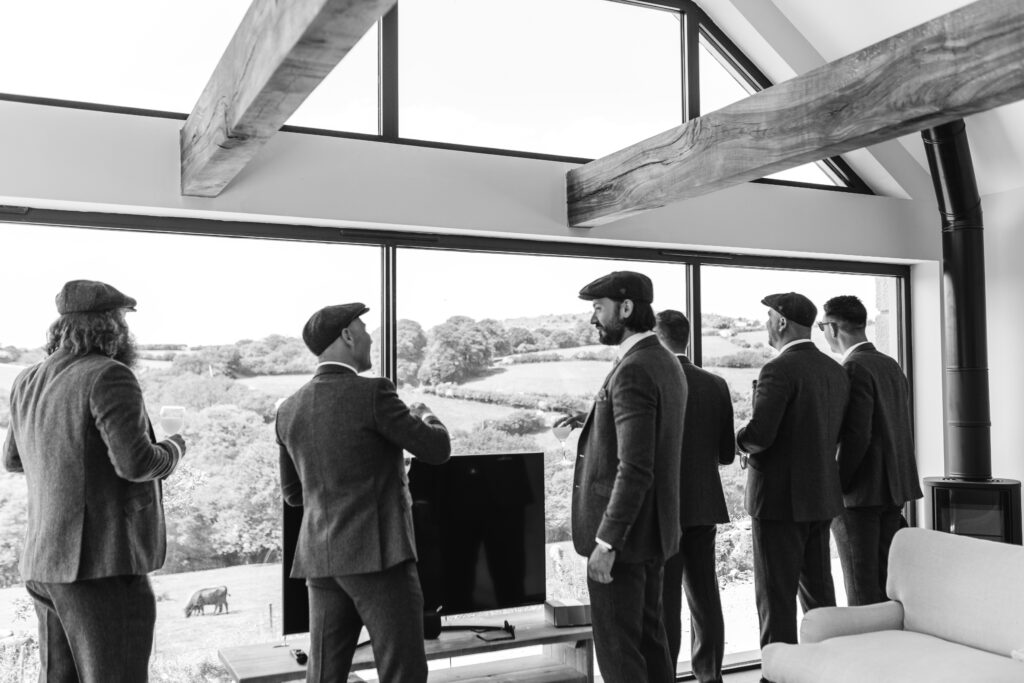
793,306
90,296
620,285
326,325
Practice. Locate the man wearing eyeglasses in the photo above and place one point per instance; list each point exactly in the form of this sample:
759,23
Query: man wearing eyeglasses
792,478
877,469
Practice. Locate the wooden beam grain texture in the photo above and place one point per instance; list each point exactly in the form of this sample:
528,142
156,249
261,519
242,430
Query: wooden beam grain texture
961,63
280,52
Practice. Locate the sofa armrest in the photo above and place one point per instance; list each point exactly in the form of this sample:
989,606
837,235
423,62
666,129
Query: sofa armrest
829,622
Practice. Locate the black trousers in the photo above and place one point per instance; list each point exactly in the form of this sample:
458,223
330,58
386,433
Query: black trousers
95,630
389,603
864,535
791,560
693,569
629,634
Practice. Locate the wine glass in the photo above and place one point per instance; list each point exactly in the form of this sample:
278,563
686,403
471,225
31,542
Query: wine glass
172,419
562,433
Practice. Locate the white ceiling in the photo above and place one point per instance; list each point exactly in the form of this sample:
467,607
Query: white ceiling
788,37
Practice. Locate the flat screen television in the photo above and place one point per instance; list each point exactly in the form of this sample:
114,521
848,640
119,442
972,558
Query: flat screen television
479,523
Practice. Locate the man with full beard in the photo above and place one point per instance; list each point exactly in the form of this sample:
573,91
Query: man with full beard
80,432
625,499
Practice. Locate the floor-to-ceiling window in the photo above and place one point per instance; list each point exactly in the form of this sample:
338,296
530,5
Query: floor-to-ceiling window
489,334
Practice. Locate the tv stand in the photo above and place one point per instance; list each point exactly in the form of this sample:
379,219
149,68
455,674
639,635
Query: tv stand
568,655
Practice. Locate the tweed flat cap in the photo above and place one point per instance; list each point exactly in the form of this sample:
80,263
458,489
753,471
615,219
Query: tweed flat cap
620,285
90,296
326,325
793,306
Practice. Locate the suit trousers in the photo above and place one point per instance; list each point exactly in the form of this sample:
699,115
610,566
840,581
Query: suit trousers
693,569
791,559
864,535
95,630
389,603
629,633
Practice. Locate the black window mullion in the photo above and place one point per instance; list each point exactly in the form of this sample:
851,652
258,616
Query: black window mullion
689,27
387,74
389,313
694,313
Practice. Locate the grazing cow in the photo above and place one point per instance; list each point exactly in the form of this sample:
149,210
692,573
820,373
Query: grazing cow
217,597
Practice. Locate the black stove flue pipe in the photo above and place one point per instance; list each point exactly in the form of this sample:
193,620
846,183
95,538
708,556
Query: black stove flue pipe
968,418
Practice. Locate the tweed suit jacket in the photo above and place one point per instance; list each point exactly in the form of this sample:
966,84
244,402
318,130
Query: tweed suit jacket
876,447
626,481
80,433
799,405
708,441
341,438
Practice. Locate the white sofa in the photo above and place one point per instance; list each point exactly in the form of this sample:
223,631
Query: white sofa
956,613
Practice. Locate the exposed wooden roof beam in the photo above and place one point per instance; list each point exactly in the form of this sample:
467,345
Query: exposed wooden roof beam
961,63
279,54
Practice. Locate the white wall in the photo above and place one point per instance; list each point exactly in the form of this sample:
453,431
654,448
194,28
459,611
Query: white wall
65,158
1004,275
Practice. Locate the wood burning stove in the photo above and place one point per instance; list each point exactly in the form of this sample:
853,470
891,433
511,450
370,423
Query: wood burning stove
989,509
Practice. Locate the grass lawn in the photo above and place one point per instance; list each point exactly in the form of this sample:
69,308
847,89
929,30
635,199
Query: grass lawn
574,377
278,386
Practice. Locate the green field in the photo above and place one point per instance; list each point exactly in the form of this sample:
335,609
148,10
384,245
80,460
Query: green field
278,386
575,377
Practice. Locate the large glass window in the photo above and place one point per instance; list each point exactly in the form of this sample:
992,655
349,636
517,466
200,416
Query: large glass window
218,328
574,77
498,344
735,345
157,54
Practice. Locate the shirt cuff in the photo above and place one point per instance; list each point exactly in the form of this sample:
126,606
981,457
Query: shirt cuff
605,544
177,448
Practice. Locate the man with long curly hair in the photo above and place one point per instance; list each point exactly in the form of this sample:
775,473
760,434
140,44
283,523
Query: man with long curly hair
80,432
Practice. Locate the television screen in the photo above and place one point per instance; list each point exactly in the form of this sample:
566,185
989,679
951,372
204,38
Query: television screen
479,523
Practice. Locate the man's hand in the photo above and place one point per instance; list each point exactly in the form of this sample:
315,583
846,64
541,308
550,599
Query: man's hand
179,441
599,566
575,421
418,410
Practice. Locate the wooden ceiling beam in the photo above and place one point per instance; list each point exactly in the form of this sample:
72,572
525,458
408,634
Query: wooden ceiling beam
961,63
279,54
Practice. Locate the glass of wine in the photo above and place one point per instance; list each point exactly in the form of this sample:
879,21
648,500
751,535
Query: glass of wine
562,433
172,419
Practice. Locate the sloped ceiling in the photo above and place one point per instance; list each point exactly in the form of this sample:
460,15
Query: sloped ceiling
788,37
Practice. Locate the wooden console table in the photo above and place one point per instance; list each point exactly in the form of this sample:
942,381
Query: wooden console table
568,655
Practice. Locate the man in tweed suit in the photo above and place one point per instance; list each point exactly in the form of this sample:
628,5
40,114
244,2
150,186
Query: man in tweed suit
877,469
80,433
625,499
708,442
792,478
341,438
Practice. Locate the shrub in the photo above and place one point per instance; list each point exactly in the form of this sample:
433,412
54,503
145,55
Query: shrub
747,358
519,423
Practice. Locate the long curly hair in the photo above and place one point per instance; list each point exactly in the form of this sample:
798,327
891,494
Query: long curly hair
104,332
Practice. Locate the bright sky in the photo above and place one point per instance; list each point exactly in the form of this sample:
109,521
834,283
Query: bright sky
216,290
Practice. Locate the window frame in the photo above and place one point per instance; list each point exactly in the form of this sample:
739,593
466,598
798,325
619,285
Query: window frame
390,242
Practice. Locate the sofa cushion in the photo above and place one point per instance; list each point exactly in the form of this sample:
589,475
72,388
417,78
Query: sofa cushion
885,657
959,588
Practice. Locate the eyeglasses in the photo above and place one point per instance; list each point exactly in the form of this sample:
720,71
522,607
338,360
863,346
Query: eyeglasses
821,325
